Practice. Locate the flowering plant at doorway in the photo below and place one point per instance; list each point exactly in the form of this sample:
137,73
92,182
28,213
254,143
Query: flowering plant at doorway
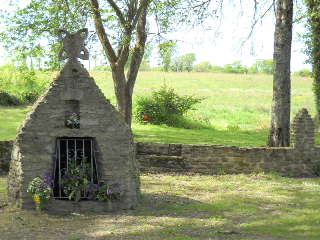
40,188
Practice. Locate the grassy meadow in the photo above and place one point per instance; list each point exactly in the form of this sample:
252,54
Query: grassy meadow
180,207
236,109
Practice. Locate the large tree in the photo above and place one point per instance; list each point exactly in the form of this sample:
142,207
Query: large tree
166,51
121,26
279,135
133,20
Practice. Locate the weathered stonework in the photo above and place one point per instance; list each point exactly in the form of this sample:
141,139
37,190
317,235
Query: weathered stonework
302,159
213,159
5,156
34,147
302,131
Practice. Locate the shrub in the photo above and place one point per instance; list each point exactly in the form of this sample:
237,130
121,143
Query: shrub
202,67
20,85
164,106
6,99
303,73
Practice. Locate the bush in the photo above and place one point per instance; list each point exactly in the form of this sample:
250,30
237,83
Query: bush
303,73
164,106
7,99
21,85
235,67
202,67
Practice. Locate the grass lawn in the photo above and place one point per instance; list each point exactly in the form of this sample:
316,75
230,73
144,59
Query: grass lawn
236,106
179,207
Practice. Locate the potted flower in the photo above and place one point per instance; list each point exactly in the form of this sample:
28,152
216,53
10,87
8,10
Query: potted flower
105,192
40,189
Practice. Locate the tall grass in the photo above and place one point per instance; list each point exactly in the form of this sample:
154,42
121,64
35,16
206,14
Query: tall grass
236,106
231,100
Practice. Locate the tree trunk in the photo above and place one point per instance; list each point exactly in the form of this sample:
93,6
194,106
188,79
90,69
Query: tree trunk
123,94
279,135
124,84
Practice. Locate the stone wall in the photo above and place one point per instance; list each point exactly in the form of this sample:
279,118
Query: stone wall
5,156
213,159
301,159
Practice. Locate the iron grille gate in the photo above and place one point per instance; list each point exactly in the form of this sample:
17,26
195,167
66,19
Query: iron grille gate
76,151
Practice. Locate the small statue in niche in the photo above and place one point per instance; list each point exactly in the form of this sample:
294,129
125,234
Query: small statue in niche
73,44
73,121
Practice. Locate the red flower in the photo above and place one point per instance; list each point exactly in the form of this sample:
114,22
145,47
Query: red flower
145,118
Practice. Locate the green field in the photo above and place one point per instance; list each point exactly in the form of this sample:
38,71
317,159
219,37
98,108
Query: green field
178,207
236,106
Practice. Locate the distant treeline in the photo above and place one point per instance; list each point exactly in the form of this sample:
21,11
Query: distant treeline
186,63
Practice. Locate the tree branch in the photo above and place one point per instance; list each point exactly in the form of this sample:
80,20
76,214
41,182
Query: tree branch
138,51
257,19
143,6
118,12
134,16
102,33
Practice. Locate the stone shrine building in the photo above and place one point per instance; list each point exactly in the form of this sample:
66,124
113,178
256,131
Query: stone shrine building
73,121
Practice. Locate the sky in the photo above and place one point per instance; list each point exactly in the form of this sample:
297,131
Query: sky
223,45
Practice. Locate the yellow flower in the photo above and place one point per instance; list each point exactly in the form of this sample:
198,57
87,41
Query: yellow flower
36,198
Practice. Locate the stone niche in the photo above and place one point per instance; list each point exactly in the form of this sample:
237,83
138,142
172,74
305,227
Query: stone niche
99,132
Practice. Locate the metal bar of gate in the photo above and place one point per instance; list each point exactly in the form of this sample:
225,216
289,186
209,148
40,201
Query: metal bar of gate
75,152
59,164
82,163
67,142
83,155
95,164
55,166
91,158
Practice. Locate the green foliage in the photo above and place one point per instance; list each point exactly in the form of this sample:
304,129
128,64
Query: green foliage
76,180
20,85
105,192
217,69
264,66
184,63
235,67
6,99
312,41
167,50
303,73
164,106
27,28
203,67
231,99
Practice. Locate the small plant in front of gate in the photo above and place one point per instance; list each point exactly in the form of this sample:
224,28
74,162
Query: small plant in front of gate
76,180
40,189
76,183
105,192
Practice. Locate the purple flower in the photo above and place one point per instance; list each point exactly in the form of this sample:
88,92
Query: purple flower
47,178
